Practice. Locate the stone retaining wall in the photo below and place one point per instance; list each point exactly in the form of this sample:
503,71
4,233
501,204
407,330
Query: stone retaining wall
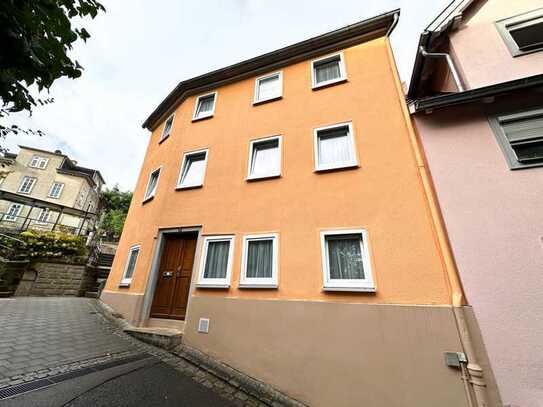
46,278
11,273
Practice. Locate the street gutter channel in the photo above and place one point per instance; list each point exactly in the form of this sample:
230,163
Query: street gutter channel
18,389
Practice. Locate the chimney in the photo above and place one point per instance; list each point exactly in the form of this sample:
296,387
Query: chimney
58,152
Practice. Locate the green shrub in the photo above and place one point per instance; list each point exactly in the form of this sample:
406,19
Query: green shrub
53,244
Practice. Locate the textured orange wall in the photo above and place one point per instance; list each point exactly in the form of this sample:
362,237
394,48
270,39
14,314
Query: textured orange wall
384,195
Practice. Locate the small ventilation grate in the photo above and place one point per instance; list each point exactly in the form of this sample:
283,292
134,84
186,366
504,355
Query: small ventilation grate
203,325
41,383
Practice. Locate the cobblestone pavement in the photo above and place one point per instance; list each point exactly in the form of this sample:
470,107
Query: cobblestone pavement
41,337
41,334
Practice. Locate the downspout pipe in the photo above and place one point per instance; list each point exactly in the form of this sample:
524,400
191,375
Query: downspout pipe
393,25
458,301
450,63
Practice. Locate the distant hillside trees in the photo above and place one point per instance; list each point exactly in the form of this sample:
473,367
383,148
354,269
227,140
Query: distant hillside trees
115,204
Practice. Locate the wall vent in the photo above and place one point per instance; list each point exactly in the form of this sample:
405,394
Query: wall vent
203,325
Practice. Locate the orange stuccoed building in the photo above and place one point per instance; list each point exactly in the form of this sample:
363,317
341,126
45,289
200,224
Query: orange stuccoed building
284,220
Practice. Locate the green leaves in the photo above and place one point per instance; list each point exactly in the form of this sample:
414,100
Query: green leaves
115,203
35,37
52,244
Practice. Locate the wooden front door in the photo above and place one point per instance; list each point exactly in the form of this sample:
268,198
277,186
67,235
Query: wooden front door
174,276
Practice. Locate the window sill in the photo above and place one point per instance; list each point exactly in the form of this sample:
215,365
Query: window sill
208,285
519,53
265,286
353,289
147,199
262,177
197,119
263,101
338,167
124,285
329,83
515,166
183,187
163,139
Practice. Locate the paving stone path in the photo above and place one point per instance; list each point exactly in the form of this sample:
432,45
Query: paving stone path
41,337
41,334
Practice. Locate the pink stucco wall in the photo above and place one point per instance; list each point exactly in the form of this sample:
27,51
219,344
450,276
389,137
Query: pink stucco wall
479,49
494,217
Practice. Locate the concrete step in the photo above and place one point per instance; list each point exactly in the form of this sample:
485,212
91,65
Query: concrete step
165,338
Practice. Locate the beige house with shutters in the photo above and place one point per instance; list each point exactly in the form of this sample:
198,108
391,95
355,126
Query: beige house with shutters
47,190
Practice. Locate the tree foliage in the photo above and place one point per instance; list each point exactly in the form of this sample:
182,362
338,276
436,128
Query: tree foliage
115,205
35,38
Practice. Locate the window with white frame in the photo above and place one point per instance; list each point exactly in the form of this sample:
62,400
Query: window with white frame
205,106
335,147
268,87
193,169
27,183
265,158
13,212
38,162
259,261
328,70
522,34
130,265
167,128
216,264
152,184
345,260
56,189
43,216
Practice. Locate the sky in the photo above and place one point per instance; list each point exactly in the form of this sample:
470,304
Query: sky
139,50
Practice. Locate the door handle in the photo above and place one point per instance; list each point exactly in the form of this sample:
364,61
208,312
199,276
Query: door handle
167,274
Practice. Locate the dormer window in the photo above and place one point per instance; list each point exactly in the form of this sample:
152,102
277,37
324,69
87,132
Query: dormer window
523,34
38,162
205,106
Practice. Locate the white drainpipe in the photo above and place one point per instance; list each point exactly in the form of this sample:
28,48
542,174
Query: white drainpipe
450,63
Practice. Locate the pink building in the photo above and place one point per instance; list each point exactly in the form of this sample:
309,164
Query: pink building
476,96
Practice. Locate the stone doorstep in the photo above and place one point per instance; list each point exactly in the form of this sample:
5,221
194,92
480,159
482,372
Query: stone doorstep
165,338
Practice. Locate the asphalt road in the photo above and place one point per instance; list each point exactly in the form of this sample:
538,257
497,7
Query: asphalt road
143,383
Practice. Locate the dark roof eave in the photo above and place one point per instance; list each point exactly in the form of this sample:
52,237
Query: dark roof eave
441,26
418,65
380,24
474,95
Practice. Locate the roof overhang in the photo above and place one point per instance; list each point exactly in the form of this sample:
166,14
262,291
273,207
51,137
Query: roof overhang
448,20
350,35
476,95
